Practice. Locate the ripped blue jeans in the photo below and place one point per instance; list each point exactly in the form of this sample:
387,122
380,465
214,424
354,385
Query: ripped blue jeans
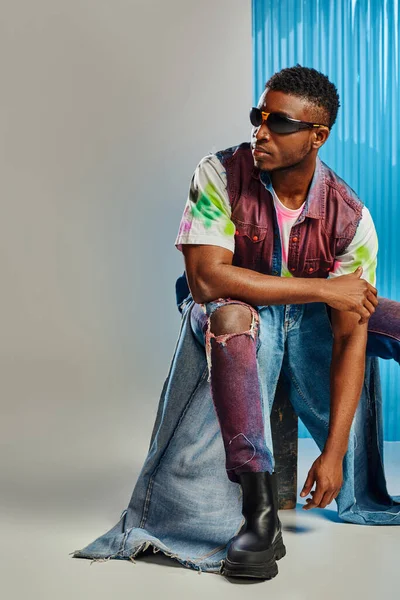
244,367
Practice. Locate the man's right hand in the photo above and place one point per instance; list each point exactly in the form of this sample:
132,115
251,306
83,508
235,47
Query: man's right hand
350,292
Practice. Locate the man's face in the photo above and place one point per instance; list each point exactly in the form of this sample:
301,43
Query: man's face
289,149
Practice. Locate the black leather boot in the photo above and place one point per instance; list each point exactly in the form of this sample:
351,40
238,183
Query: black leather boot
254,550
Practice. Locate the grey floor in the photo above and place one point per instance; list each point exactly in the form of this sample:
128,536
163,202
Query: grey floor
325,558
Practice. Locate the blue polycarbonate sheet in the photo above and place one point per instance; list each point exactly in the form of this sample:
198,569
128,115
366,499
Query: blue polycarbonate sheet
356,44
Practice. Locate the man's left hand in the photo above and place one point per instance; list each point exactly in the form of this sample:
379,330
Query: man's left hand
327,472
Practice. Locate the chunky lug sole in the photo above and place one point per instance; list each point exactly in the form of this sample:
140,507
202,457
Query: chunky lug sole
263,570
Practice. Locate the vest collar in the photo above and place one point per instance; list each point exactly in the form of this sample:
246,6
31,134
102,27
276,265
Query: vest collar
316,197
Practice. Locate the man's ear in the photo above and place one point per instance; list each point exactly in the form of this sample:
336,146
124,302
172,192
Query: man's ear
320,136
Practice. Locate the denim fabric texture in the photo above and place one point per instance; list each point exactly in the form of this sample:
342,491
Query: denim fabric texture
323,230
235,388
186,501
183,503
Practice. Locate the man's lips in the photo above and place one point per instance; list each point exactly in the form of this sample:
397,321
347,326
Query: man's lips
258,150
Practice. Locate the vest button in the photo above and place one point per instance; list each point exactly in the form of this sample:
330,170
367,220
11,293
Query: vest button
292,269
295,239
236,232
255,237
310,270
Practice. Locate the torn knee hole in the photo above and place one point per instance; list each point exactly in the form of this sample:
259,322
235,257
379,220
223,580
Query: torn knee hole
233,319
222,338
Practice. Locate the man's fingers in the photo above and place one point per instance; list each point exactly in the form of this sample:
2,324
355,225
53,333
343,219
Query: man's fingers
364,314
332,496
309,504
308,484
372,289
372,298
306,489
366,310
319,493
327,499
317,497
369,306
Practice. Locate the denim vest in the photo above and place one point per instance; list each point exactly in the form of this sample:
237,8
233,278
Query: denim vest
323,230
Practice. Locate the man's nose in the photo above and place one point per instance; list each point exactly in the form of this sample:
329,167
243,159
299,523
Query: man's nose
261,132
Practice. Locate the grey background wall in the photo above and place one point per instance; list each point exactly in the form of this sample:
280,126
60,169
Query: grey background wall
105,110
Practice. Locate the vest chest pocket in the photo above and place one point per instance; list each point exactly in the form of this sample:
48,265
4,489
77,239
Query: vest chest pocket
317,267
252,232
249,242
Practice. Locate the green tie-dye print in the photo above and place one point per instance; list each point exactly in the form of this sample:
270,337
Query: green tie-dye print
363,258
209,209
285,272
364,254
229,228
207,215
207,220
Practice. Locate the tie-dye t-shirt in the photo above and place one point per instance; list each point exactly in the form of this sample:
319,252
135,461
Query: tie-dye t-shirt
206,220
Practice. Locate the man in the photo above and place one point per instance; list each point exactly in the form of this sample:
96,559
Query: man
272,242
327,254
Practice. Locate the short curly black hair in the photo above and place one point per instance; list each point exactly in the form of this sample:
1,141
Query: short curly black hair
309,84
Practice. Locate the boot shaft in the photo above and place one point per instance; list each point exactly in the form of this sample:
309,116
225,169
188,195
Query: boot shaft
260,492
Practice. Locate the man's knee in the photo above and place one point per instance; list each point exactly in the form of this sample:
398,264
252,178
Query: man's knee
386,318
231,318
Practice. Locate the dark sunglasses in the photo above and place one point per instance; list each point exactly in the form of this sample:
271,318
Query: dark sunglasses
279,123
